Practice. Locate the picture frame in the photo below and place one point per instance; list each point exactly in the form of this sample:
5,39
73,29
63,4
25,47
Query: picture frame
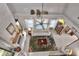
10,28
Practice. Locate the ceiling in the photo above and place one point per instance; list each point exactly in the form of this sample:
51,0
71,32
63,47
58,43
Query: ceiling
24,8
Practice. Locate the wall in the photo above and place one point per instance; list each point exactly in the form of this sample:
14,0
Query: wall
5,19
72,12
25,8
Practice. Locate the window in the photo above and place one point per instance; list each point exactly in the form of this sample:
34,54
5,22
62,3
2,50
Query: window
53,23
29,23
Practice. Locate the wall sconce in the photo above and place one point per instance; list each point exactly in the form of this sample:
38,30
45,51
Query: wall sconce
32,12
38,12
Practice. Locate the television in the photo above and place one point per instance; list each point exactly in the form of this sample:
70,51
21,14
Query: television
4,52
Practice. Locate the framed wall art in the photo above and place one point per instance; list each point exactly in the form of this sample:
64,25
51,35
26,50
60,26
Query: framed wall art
10,28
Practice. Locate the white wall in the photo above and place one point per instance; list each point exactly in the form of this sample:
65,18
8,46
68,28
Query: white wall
26,7
72,12
5,19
